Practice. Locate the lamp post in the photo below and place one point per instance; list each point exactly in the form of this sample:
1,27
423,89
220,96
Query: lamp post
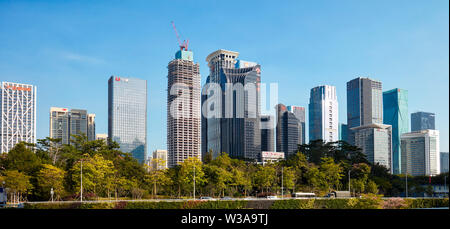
81,181
194,180
406,184
349,171
51,193
282,188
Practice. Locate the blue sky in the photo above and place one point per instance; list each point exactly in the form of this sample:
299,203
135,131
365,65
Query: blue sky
70,48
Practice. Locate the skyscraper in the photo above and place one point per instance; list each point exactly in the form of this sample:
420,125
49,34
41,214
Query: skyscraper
64,123
234,124
288,131
343,132
183,108
127,115
267,133
299,113
91,127
323,114
375,142
444,162
422,121
420,153
395,113
18,114
364,103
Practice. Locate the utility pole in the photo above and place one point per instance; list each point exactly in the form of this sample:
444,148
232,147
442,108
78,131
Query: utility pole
194,180
81,182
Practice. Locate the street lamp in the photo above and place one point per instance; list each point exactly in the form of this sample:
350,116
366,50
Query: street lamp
282,182
81,181
51,193
194,180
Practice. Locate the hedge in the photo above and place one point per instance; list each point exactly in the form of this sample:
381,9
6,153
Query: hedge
370,202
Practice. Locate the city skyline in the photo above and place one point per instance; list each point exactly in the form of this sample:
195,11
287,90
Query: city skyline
82,67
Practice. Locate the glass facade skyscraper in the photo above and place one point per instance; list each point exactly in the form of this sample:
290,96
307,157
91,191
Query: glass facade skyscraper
323,114
64,123
422,121
300,114
395,113
235,126
364,103
343,132
127,115
267,133
288,131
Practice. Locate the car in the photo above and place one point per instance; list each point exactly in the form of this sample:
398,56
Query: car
271,197
206,198
226,198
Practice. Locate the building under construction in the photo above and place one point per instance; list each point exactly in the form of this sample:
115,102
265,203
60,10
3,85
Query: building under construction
183,108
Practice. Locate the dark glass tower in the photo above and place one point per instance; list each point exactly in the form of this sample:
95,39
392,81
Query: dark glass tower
235,128
267,133
127,115
288,128
422,121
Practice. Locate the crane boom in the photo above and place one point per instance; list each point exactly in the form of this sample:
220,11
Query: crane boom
183,45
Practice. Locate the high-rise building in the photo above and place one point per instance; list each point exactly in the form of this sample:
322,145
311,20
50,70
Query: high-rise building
420,153
375,142
127,115
183,108
343,132
204,133
364,103
395,113
267,133
444,162
18,114
299,113
235,126
422,121
59,124
101,137
91,127
64,123
288,131
160,160
323,114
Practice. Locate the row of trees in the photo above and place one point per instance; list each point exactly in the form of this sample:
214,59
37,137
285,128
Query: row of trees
30,171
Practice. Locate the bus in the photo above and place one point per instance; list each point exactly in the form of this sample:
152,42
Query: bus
303,195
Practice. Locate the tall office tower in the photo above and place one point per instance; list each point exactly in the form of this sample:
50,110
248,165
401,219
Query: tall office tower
78,122
235,129
444,162
127,115
64,123
91,127
267,133
395,113
204,97
183,109
59,124
364,103
343,132
288,135
18,114
323,114
420,153
422,121
299,113
375,142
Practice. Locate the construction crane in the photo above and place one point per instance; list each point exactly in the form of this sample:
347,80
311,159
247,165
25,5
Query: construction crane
184,45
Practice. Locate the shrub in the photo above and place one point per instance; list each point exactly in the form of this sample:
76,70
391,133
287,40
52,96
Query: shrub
395,203
293,204
369,201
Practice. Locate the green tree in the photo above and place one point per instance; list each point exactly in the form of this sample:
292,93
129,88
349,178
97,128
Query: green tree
332,172
51,177
186,174
265,177
17,182
21,158
372,187
157,178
